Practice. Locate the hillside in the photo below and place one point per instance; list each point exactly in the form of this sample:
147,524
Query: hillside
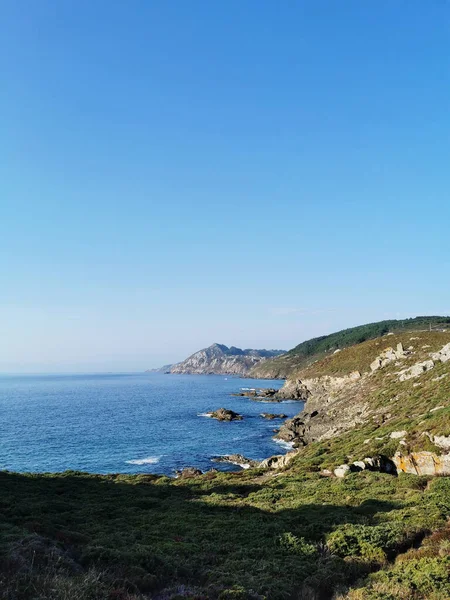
317,348
221,360
354,513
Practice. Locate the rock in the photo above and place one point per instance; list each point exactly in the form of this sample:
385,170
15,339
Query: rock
442,441
278,461
326,473
273,416
436,407
396,435
375,365
342,470
443,355
388,356
354,375
422,463
443,376
188,473
337,351
293,390
237,459
416,370
360,465
224,414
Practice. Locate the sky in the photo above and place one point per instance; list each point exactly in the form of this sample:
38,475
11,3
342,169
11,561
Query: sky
248,172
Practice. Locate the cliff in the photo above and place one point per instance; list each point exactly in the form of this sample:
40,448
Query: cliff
221,360
388,396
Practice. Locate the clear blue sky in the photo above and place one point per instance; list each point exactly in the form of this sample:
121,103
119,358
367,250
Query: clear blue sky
255,173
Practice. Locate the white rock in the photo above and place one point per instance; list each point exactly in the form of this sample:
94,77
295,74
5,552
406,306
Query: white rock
360,464
342,470
442,441
376,364
367,441
443,355
336,351
436,407
396,435
443,376
416,370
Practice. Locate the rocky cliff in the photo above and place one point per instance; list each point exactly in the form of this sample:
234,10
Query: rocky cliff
221,360
388,397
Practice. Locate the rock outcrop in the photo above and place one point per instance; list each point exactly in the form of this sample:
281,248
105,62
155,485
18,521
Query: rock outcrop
329,409
443,355
388,356
221,360
416,370
422,463
224,414
279,461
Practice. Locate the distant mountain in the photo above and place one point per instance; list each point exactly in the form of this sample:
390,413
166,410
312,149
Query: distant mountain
221,360
164,369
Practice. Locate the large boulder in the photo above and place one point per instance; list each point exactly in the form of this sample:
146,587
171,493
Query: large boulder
422,463
443,355
416,370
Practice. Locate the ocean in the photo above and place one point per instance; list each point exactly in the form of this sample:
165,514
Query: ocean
130,423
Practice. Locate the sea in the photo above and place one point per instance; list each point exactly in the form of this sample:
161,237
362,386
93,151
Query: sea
131,423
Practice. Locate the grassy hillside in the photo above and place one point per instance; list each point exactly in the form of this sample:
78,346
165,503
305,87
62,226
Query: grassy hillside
317,348
257,534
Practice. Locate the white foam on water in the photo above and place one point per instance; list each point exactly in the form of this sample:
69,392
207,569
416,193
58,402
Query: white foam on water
204,415
150,460
288,445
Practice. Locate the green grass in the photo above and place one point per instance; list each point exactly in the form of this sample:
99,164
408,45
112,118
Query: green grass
220,535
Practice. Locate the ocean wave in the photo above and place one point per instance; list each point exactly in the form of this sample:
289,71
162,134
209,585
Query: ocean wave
150,460
204,415
287,445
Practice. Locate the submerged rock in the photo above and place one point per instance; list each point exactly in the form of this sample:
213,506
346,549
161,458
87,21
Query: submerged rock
273,416
224,414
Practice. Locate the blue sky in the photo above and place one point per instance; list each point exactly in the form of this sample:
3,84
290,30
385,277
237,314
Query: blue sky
174,174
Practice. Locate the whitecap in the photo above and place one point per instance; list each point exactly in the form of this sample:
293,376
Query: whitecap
204,415
150,460
288,445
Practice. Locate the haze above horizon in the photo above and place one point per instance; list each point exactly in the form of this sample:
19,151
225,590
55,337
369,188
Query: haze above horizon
256,174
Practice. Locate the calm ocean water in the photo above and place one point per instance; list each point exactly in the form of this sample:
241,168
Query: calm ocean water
128,423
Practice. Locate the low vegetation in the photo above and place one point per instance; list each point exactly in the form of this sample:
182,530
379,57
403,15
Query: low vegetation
224,536
318,348
296,533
